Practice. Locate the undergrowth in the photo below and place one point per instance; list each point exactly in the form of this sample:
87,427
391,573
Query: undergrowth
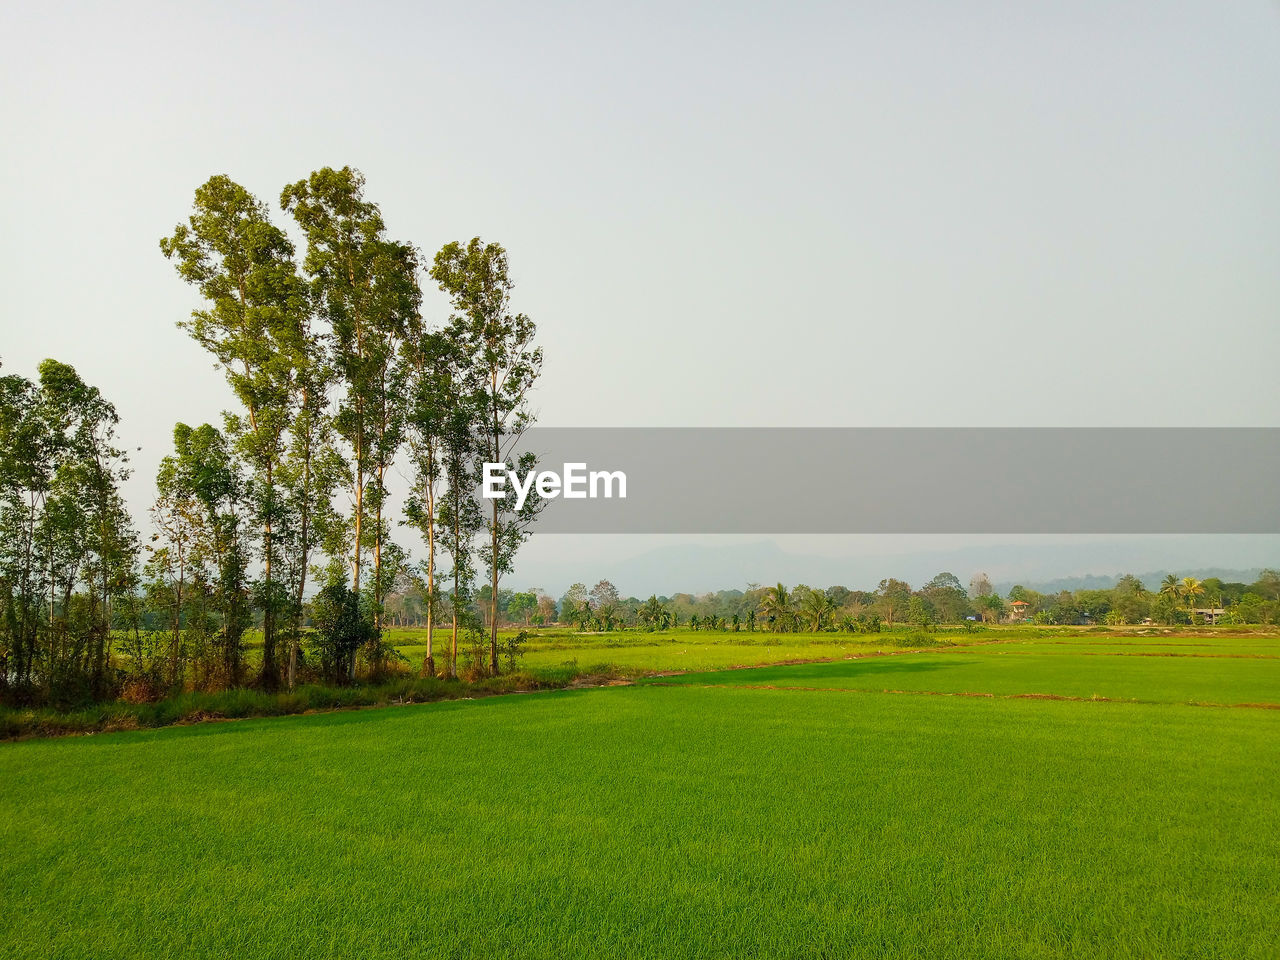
197,706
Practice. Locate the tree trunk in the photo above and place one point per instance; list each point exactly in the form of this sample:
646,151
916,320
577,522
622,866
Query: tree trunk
457,547
295,638
100,645
430,664
493,597
270,671
175,646
359,492
304,547
355,561
493,539
377,553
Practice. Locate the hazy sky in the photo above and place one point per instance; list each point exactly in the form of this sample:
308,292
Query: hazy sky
897,213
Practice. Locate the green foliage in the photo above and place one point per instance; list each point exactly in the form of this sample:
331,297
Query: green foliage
652,615
522,606
1166,609
513,647
501,365
241,703
205,480
777,610
365,287
343,624
920,612
1250,609
67,545
816,609
255,324
918,639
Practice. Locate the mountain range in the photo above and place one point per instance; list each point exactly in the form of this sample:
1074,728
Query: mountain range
1046,567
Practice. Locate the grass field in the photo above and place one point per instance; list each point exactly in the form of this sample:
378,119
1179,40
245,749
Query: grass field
638,652
730,814
1203,680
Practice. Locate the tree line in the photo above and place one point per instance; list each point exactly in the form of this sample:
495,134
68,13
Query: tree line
67,543
337,376
942,600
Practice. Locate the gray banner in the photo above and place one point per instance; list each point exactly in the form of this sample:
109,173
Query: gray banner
915,480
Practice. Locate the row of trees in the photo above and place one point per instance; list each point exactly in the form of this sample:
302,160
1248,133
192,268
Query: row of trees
776,608
338,378
67,544
942,600
1174,601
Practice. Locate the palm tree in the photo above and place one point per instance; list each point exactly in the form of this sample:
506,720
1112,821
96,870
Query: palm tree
816,608
651,612
776,607
1190,589
1171,586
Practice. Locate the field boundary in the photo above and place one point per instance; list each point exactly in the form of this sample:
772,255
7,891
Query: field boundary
1140,653
783,688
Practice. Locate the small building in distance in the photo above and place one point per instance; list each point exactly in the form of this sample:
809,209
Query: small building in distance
1209,614
1018,610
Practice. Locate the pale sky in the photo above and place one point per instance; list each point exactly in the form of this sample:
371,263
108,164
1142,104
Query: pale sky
903,213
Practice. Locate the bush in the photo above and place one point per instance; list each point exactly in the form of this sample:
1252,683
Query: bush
513,649
342,626
918,638
143,688
242,702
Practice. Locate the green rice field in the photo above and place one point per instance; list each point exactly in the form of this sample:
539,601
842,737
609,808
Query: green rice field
806,810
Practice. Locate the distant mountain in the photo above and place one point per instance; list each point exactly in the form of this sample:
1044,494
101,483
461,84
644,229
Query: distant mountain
1047,567
1151,579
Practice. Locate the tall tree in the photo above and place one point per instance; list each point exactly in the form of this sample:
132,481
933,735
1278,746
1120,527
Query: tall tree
816,608
949,601
1190,589
574,599
990,606
365,287
86,487
254,325
605,600
980,586
777,608
433,412
894,595
523,605
1171,587
506,365
173,566
460,518
651,612
67,547
309,474
1129,600
205,463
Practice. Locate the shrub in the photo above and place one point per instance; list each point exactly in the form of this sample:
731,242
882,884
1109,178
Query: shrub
513,649
918,638
342,627
143,688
